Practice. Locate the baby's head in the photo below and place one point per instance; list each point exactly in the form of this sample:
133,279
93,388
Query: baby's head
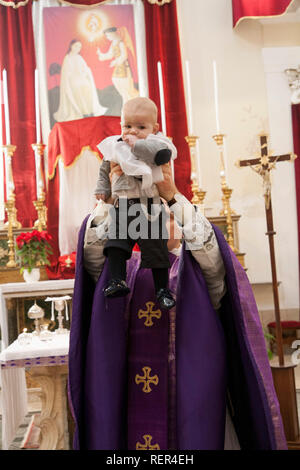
139,117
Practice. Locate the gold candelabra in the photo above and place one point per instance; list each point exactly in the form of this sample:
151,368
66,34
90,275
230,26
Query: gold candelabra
9,150
39,204
10,206
227,192
198,193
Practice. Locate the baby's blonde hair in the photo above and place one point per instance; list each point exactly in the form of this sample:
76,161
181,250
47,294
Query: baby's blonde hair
141,104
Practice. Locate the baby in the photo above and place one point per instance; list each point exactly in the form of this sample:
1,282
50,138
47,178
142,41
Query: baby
140,151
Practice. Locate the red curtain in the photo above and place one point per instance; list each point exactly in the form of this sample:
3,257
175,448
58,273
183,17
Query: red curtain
17,56
296,137
162,42
255,8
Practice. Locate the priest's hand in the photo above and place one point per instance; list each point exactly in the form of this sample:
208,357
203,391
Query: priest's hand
115,169
167,188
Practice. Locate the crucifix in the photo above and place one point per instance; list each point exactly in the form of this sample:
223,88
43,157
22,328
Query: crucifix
263,165
283,375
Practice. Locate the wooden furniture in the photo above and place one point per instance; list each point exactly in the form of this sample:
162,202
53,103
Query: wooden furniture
284,382
290,333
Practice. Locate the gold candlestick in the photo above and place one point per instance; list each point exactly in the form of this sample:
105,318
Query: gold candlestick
41,222
11,215
10,206
226,211
198,193
39,204
9,150
219,139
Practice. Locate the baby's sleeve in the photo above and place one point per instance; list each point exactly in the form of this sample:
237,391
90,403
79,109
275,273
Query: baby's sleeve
103,185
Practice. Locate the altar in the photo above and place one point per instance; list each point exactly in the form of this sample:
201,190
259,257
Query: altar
10,321
43,362
47,363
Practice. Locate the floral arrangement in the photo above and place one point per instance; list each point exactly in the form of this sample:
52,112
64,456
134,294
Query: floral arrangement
33,248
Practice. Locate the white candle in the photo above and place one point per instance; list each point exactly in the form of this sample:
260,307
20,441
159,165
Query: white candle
6,108
162,99
189,97
37,107
37,172
162,106
2,211
216,96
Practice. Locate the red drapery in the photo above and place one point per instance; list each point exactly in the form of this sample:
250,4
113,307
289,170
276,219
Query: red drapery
162,42
242,9
17,56
296,138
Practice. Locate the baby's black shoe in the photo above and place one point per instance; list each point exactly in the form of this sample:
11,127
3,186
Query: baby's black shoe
165,298
116,288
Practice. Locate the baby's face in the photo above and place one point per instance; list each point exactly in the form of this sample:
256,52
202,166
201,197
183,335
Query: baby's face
139,124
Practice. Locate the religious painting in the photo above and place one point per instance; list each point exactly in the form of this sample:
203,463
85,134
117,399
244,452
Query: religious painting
91,63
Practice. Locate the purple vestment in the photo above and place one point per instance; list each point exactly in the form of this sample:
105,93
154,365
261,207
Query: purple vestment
145,378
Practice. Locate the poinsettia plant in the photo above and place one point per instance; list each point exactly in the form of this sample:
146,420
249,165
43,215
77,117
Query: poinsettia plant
34,249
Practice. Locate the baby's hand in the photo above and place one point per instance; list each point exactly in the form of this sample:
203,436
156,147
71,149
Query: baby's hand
130,140
100,196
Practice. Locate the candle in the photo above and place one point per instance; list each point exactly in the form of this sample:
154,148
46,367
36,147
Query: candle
162,99
162,106
37,107
189,97
216,96
37,172
6,108
2,211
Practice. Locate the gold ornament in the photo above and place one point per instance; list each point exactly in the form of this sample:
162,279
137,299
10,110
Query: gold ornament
159,2
147,444
146,379
149,314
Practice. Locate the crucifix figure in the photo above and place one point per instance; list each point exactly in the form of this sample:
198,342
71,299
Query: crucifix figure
263,165
283,374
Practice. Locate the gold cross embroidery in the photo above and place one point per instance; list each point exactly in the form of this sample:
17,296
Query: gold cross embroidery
149,314
146,379
147,445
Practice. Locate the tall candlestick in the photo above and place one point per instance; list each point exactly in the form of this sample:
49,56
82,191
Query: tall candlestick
189,97
6,108
162,106
2,210
162,99
37,107
216,96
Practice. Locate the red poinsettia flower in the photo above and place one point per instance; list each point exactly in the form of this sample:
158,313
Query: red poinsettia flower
33,248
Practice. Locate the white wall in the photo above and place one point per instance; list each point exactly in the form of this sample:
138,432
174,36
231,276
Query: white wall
247,107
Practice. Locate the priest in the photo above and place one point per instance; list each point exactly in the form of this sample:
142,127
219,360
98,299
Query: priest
196,377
